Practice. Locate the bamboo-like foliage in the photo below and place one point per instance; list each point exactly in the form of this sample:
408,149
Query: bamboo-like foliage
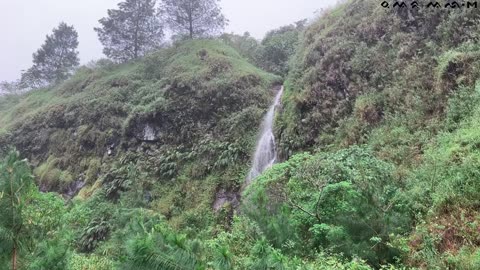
16,182
161,249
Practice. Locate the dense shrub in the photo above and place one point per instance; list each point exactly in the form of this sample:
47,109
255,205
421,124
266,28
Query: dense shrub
346,202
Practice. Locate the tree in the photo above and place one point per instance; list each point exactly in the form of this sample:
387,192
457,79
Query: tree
16,183
278,46
194,18
346,201
130,31
55,60
245,44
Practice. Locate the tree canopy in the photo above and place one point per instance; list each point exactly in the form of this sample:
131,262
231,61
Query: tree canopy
193,18
278,46
55,60
130,31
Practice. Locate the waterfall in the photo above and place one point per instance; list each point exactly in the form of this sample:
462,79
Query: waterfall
265,153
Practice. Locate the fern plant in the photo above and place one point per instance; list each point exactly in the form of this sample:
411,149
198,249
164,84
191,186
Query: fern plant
97,231
162,249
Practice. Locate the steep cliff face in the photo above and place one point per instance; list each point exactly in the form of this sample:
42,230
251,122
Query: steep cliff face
361,64
174,100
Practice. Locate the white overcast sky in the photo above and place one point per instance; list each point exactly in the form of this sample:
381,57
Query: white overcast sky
24,24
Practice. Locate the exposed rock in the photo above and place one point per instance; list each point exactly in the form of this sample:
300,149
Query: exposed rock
110,149
224,197
74,188
149,133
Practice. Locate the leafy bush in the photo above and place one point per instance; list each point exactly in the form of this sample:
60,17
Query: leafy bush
96,232
278,46
90,262
462,105
162,249
449,175
346,202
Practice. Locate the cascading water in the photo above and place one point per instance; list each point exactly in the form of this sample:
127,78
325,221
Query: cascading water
265,156
265,153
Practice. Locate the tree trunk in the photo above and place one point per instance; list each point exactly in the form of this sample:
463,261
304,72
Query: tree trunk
137,22
135,45
191,30
190,21
14,257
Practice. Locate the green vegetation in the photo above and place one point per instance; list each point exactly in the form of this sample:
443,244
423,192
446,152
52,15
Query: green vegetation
192,18
55,60
345,202
273,52
16,183
187,94
278,46
378,135
200,99
131,31
407,89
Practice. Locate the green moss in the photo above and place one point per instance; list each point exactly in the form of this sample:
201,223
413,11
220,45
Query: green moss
50,177
93,170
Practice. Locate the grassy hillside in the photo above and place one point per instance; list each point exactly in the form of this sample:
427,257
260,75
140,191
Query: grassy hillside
378,134
164,133
386,99
196,98
361,65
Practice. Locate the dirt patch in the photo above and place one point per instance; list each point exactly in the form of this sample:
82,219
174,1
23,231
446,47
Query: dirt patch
454,228
457,228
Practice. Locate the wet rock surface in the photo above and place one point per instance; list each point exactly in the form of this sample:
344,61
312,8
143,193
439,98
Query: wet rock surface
147,131
224,197
74,188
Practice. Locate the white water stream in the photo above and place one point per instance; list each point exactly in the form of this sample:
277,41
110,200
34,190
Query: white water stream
265,153
265,156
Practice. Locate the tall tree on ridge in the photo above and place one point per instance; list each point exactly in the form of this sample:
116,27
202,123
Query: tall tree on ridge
55,60
193,18
130,31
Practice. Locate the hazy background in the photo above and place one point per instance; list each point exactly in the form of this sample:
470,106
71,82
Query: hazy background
24,24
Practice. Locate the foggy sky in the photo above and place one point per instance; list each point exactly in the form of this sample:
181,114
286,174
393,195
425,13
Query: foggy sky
24,24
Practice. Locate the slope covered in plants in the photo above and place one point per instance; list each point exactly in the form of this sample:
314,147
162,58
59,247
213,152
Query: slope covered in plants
386,100
182,103
163,133
377,133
